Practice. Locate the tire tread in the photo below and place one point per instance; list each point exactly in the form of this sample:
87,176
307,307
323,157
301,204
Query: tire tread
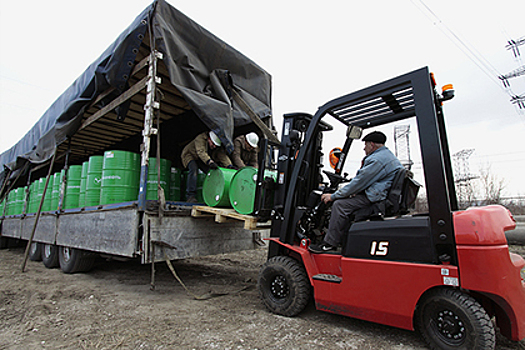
486,336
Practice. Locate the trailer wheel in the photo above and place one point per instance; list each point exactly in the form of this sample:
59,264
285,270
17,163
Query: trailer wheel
73,260
4,242
284,286
451,319
50,256
35,251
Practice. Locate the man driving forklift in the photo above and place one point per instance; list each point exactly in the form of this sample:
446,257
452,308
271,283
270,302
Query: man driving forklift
371,184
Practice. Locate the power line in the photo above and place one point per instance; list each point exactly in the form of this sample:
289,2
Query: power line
470,52
475,56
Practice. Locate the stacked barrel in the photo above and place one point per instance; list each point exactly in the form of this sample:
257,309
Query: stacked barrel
93,181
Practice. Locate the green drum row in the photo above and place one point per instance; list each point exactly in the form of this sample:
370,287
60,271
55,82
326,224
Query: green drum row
115,178
227,187
111,178
14,202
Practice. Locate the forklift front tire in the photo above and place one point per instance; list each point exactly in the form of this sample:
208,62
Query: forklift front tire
451,319
284,286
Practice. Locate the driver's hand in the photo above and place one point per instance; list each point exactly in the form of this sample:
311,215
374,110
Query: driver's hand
327,197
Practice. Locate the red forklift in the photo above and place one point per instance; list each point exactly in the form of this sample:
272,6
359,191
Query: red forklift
446,273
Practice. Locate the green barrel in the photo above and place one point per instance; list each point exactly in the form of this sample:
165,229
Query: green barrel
46,206
58,177
34,196
216,187
10,203
93,181
83,180
201,177
16,202
20,200
120,177
175,184
73,176
153,179
242,189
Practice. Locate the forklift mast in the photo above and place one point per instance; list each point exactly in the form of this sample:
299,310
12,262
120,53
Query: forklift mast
412,95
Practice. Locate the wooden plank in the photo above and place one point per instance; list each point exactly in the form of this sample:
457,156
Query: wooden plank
116,102
198,213
224,214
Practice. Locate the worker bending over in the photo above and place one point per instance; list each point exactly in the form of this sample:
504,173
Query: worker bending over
204,152
245,150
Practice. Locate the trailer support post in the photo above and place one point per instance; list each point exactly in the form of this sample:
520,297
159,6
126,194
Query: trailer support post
149,116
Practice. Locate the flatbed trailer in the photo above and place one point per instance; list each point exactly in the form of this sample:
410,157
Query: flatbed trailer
161,83
115,231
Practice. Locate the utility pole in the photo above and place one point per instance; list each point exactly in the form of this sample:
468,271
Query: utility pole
463,177
402,145
513,45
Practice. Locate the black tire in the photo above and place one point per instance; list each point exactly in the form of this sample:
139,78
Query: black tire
451,319
284,286
73,260
50,255
4,241
35,251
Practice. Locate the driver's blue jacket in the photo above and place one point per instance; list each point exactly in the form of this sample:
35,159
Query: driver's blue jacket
374,178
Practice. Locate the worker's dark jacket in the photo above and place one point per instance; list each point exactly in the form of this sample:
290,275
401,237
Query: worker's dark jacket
241,157
198,149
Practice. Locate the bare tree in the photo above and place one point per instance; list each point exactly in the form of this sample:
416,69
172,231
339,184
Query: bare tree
491,186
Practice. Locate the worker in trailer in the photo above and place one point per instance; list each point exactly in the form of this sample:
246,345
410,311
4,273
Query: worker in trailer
204,152
371,184
245,150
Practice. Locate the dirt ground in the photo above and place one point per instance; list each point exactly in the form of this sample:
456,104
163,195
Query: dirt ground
112,307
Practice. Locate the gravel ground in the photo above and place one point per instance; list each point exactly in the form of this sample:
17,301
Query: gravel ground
112,307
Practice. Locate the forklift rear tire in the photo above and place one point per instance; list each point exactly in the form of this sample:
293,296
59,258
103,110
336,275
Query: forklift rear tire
35,251
73,260
284,286
451,319
50,256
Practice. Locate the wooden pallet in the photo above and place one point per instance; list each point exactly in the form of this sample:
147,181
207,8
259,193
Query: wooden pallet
225,214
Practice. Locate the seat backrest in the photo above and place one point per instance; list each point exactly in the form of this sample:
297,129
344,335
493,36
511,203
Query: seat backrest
408,194
395,194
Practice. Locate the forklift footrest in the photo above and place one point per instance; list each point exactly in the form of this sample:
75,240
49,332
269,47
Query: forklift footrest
327,278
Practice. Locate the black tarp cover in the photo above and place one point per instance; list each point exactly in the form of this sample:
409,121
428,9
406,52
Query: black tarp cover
201,66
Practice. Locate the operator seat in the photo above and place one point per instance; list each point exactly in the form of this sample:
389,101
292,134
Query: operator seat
400,198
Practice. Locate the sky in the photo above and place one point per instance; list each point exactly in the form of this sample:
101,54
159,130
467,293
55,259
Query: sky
315,51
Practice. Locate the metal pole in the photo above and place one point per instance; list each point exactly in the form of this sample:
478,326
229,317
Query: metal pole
149,116
63,184
30,241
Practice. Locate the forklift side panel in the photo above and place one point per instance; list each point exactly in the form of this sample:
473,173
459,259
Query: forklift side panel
381,291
